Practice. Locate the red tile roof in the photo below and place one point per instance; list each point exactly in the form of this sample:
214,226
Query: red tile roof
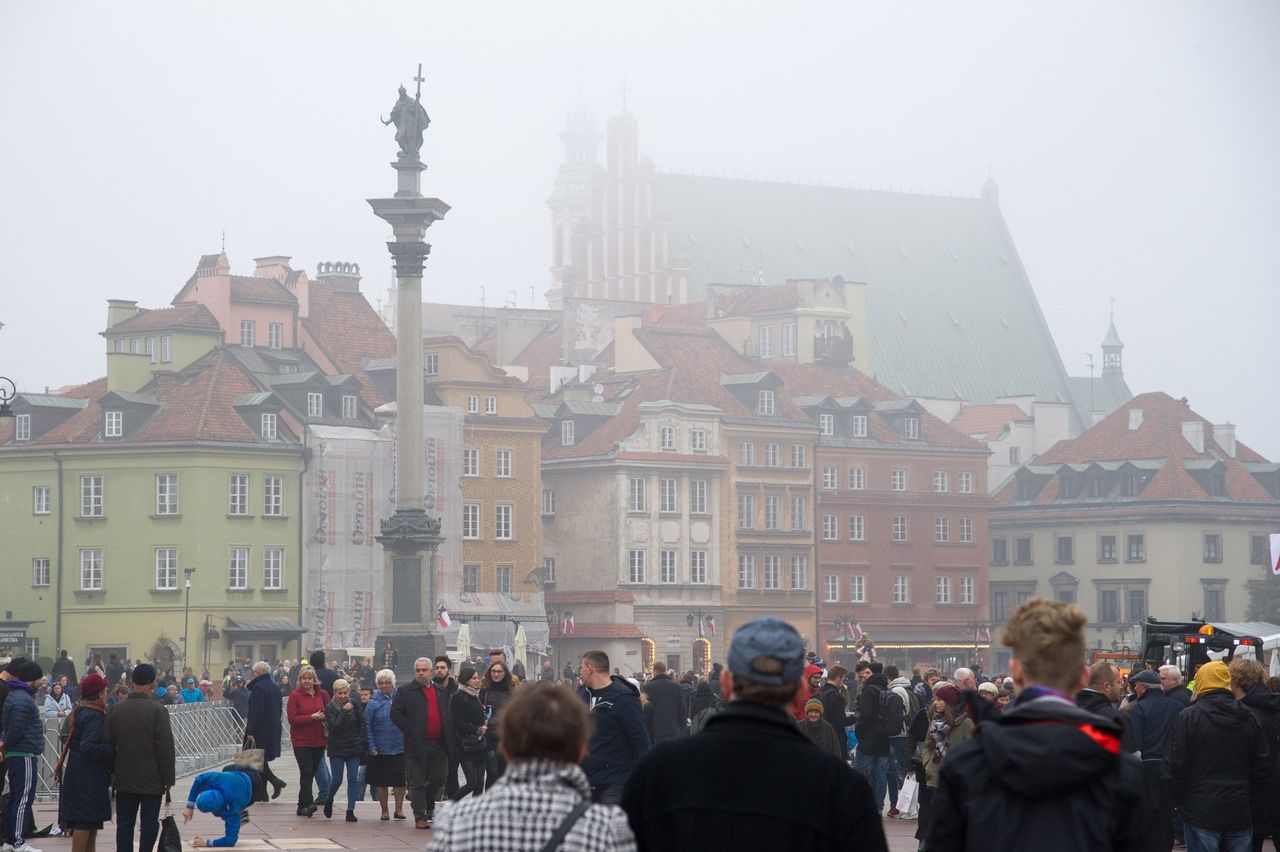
773,297
541,354
247,288
185,317
347,329
987,420
689,314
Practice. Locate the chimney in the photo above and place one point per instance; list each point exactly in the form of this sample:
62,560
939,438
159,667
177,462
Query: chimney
339,274
1193,432
119,310
1225,436
275,266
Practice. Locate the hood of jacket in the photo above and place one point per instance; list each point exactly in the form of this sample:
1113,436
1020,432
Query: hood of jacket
1221,708
618,686
900,682
877,680
1026,739
1262,698
379,697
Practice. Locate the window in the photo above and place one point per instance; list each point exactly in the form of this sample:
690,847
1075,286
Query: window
799,572
504,579
502,465
771,455
548,501
698,440
1135,547
238,568
697,566
273,496
766,341
1137,602
899,528
940,483
746,454
268,425
857,528
548,569
1213,600
829,528
91,569
746,571
1000,551
22,427
91,496
490,405
1108,606
898,479
668,496
135,346
151,349
238,494
502,522
1064,594
966,530
966,482
246,332
636,566
746,511
40,571
432,364
859,425
799,513
166,493
113,424
120,344
901,593
315,405
830,588
827,424
1259,549
773,573
1015,455
166,568
1212,547
471,578
857,478
1022,550
830,480
772,512
638,499
764,402
799,455
669,566
966,590
40,500
858,588
788,340
944,590
667,437
698,496
941,529
473,405
911,427
275,335
566,433
349,411
273,567
166,349
1064,550
999,606
1107,548
470,461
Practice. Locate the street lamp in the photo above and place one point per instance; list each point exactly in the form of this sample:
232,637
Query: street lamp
8,390
186,616
698,616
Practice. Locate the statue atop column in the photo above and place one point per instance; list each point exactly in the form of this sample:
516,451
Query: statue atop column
410,119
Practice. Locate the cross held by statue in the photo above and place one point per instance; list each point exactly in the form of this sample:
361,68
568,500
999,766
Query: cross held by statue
419,79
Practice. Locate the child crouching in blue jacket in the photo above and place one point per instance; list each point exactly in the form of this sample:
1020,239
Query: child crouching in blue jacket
226,795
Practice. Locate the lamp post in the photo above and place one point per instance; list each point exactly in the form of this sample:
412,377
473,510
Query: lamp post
8,390
977,627
186,616
697,615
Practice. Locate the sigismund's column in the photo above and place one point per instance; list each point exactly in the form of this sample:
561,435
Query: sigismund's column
409,537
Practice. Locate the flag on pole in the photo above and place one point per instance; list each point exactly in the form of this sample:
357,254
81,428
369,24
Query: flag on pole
857,630
1275,554
442,615
986,634
568,627
711,624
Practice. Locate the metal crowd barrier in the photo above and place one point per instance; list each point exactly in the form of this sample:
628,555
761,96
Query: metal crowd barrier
205,734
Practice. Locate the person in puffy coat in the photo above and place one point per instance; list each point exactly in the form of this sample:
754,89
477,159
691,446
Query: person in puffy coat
347,744
57,704
385,768
226,795
84,800
22,738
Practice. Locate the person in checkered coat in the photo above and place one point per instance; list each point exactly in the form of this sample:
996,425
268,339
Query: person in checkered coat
544,735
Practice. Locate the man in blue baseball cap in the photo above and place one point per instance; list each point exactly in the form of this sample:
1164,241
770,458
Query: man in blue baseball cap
750,778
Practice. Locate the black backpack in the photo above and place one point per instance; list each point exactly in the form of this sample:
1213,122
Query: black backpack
892,716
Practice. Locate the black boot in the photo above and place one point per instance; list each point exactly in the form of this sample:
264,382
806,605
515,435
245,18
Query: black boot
277,785
351,816
328,809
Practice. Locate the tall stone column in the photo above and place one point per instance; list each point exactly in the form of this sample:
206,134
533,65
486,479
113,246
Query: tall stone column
409,537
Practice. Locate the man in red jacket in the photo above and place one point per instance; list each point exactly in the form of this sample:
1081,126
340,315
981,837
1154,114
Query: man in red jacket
421,711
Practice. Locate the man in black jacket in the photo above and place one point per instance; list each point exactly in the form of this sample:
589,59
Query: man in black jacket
442,674
618,738
833,703
1150,718
421,711
262,721
1249,688
1044,774
872,758
668,704
145,766
1101,696
750,779
1216,752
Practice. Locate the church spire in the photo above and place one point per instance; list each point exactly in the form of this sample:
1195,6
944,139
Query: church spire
1112,348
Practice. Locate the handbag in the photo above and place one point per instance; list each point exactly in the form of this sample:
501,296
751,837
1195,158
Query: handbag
909,796
170,837
474,743
250,755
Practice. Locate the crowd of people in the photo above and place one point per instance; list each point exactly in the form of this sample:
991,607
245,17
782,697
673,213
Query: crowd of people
774,749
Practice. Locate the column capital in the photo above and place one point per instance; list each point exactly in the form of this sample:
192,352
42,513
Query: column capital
409,258
410,531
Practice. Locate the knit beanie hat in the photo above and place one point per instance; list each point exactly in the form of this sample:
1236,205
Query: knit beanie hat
947,692
30,672
92,684
814,703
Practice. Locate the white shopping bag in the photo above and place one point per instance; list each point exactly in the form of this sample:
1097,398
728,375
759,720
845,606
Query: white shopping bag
909,797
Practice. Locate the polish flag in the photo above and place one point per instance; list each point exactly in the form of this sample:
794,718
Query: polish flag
442,616
1275,554
711,624
568,627
857,630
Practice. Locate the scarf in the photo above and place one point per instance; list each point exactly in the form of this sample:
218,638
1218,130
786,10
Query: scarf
939,735
474,693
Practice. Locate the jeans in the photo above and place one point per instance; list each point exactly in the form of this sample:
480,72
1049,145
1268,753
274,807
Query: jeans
1207,840
127,807
310,763
424,776
876,770
351,766
323,780
473,772
898,765
22,793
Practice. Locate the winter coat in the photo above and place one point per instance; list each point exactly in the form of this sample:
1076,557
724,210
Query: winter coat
1180,694
1044,769
63,666
85,796
496,698
1149,720
190,696
1099,705
833,707
871,741
346,729
670,712
468,718
932,763
54,706
1215,752
619,739
1265,798
263,719
23,731
824,737
409,714
382,735
305,732
749,780
239,699
237,794
139,728
703,698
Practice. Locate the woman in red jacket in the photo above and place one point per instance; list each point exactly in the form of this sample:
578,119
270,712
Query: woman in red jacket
305,710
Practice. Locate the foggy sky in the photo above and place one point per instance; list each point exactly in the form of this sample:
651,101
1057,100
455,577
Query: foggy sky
1135,147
